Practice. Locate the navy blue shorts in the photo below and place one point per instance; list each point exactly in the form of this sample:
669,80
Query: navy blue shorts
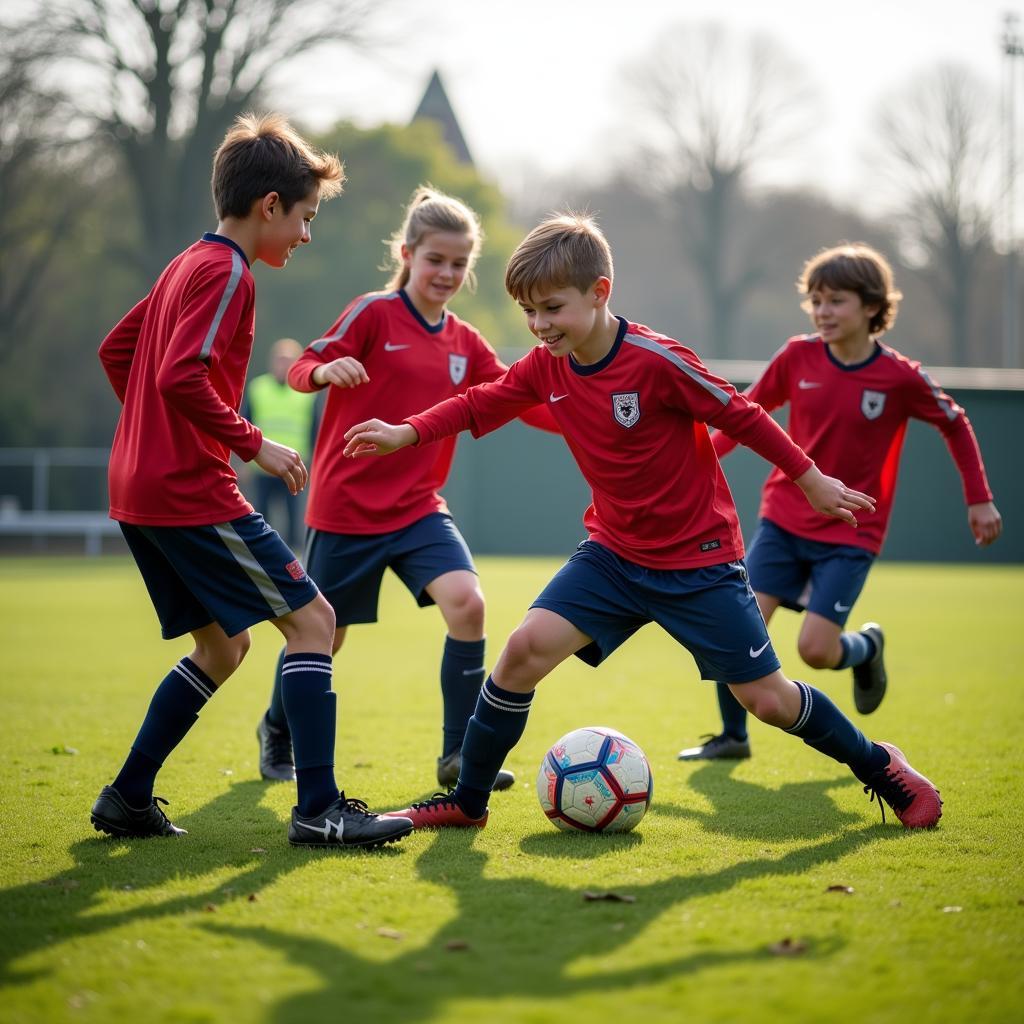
711,611
807,575
236,574
349,567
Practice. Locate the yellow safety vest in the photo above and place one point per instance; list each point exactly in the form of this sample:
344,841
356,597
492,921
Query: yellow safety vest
284,415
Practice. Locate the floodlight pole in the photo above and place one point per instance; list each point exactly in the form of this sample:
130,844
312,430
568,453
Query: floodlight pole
1013,46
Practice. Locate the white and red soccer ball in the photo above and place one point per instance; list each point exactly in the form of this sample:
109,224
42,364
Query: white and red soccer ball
595,780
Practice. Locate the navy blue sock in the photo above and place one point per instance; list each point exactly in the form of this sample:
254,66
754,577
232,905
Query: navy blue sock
462,670
823,726
275,712
310,705
734,714
495,728
857,648
172,712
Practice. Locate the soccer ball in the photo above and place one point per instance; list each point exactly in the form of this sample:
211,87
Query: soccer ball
595,780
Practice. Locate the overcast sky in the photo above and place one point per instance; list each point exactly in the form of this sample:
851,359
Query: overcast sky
538,83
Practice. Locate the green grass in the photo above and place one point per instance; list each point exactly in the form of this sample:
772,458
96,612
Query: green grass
231,924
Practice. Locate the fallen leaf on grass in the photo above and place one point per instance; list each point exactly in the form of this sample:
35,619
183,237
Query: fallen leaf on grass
848,889
609,897
253,897
389,933
454,945
257,849
209,908
60,748
952,910
788,947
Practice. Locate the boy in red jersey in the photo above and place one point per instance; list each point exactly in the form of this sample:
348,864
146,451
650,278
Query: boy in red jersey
177,362
664,541
850,398
397,351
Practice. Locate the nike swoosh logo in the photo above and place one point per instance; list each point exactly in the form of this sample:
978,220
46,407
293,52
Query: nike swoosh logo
760,650
337,826
842,607
556,398
803,385
472,671
388,347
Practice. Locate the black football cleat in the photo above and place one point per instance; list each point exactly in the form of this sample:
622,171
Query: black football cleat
112,815
448,769
722,747
869,678
277,763
347,823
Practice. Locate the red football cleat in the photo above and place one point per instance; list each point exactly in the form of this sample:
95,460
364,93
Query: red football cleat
440,811
914,799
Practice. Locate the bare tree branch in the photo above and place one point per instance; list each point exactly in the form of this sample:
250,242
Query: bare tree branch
714,106
936,165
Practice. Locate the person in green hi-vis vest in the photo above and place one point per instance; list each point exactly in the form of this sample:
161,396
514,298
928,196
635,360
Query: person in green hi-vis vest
290,418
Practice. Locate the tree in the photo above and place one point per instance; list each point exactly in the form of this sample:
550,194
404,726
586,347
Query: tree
384,165
717,106
164,79
937,161
36,214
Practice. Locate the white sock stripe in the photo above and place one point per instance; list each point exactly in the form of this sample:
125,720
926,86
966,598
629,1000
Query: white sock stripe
193,680
806,700
505,705
306,666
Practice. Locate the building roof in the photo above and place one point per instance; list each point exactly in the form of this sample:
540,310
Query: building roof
435,106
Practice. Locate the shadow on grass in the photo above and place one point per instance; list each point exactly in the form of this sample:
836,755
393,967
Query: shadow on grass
522,938
508,937
745,810
64,907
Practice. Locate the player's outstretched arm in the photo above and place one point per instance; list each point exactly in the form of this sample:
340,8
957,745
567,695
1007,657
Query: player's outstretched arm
346,372
375,437
831,497
280,460
985,522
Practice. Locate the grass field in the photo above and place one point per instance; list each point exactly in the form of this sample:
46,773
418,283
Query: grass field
231,924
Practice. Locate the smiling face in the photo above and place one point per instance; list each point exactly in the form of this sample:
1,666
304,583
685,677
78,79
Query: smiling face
567,320
840,317
284,231
437,267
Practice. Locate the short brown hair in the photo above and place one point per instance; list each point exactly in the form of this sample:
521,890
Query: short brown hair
566,250
263,154
430,210
854,267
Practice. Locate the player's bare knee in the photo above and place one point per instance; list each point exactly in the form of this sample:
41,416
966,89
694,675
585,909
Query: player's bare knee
521,651
815,653
468,615
764,704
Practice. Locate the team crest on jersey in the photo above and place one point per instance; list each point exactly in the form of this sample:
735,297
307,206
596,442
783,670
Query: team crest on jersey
457,368
626,406
872,403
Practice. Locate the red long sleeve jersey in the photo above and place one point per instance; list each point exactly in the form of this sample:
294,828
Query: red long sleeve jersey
177,361
852,420
411,364
635,423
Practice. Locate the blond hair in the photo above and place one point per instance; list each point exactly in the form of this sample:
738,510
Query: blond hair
568,249
854,267
430,210
262,153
